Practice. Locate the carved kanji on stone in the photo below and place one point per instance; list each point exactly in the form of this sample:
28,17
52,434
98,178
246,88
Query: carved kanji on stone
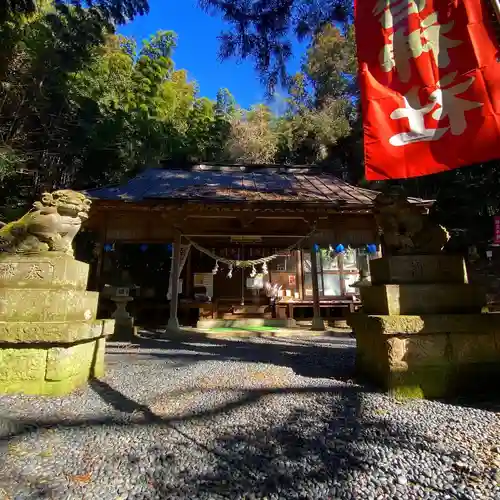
7,270
34,273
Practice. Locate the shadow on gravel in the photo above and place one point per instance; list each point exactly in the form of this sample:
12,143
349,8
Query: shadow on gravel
313,452
334,359
309,454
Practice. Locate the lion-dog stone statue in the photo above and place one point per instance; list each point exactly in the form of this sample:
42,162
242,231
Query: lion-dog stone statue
50,226
405,229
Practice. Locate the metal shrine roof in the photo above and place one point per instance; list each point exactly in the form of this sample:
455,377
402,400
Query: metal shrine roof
237,183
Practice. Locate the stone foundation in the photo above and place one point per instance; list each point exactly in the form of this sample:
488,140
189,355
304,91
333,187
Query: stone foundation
50,341
429,355
425,346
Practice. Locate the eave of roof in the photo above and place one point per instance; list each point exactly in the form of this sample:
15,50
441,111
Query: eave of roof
234,184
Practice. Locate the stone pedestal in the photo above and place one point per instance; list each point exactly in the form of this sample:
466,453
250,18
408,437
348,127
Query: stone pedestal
124,323
421,332
50,340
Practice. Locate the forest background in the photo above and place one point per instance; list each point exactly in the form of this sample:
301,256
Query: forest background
82,106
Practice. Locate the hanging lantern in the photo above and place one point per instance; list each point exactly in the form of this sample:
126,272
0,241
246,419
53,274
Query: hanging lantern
253,273
372,248
264,269
230,272
143,248
215,270
340,248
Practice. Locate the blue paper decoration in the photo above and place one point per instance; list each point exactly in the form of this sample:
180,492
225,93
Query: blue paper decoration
108,247
316,247
143,247
340,248
168,248
372,248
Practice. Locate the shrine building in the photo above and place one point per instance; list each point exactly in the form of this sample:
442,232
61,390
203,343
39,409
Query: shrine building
246,241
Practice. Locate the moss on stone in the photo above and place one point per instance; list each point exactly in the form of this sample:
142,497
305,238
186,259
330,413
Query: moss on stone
407,392
50,371
30,304
55,332
427,382
43,387
22,364
66,362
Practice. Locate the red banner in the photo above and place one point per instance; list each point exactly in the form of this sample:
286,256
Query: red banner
430,85
496,231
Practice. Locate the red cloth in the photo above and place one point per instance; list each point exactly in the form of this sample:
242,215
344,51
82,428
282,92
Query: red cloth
430,85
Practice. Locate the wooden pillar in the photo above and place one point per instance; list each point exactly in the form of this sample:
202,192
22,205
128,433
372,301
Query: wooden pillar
188,285
300,273
317,322
173,322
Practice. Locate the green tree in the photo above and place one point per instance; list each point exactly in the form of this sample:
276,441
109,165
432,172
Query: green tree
114,11
253,136
261,30
331,64
81,106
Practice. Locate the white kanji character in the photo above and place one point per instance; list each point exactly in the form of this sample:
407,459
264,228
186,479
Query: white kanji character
415,113
435,40
399,51
392,12
430,37
451,106
443,103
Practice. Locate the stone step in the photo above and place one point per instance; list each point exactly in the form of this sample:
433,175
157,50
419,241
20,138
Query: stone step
430,269
422,299
246,316
244,322
251,309
56,332
35,304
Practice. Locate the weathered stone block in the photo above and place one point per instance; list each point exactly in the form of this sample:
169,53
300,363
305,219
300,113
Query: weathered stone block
22,364
32,304
425,323
98,362
422,299
479,347
50,371
372,361
428,269
417,350
50,270
56,332
430,381
68,362
430,355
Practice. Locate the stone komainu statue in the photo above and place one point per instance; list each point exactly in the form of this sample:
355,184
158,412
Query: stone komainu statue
405,229
50,226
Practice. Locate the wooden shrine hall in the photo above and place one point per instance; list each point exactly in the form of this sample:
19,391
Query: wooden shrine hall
231,241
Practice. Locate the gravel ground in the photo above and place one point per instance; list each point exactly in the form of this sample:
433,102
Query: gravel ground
240,419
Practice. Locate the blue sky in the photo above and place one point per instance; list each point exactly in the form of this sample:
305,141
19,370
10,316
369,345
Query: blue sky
198,48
